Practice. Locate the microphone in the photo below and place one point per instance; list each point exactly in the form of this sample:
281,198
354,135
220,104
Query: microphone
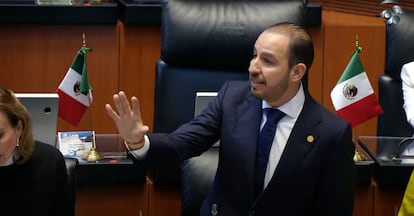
401,144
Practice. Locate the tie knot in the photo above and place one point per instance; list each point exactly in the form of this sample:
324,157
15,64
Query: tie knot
274,115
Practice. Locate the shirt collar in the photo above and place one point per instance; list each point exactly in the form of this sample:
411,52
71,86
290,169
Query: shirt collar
293,107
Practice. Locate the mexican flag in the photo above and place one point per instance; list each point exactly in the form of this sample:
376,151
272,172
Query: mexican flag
75,93
353,97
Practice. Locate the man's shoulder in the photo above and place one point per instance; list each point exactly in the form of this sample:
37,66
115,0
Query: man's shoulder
238,84
327,115
235,89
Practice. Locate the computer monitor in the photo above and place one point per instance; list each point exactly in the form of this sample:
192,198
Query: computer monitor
201,101
43,109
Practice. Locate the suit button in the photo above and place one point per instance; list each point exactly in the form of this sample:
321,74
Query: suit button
251,213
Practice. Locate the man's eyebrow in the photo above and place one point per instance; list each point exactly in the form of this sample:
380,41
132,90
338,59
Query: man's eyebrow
268,55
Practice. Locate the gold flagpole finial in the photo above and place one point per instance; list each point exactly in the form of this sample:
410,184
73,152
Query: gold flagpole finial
356,40
83,40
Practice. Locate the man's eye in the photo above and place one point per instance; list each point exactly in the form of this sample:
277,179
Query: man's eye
267,61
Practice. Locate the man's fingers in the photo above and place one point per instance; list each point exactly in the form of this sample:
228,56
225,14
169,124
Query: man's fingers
118,104
137,113
121,103
111,112
136,108
124,104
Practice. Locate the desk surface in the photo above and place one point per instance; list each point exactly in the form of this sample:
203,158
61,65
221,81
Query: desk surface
388,170
384,150
111,171
115,169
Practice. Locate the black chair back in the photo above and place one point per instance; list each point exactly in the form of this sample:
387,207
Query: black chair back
399,50
71,169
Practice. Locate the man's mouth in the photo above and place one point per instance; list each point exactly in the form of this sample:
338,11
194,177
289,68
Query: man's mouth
255,83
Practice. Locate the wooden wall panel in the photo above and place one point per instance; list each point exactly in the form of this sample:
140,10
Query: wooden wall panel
140,48
112,200
35,58
387,200
315,76
164,200
363,200
340,32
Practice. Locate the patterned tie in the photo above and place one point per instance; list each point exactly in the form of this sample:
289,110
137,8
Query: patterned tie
264,145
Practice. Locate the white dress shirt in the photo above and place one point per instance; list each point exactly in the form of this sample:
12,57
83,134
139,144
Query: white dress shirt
292,110
407,77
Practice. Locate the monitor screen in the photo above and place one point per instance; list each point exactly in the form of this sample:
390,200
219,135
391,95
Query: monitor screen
201,101
43,109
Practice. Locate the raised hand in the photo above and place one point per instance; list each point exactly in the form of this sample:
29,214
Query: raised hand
127,119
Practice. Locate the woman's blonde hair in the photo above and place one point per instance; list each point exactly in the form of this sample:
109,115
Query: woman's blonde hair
15,112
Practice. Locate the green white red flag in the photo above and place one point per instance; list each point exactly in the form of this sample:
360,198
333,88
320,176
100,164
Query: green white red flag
75,93
353,97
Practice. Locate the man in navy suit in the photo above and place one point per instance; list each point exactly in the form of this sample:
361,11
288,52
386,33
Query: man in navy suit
310,169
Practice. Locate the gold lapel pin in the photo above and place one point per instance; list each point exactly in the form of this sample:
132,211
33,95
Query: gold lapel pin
310,138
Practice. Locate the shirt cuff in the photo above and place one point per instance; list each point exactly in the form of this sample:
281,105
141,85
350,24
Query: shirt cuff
142,152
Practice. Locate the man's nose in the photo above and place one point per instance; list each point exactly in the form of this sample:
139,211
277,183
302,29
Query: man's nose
254,66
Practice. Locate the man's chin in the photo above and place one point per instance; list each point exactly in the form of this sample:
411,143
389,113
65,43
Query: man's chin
256,92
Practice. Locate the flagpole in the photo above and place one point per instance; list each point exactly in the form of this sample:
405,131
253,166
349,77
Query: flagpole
357,156
356,41
92,155
89,103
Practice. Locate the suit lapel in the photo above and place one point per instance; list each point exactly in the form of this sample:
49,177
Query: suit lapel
249,116
301,140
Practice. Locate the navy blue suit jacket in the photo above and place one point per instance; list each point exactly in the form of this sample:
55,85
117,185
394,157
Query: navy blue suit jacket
313,177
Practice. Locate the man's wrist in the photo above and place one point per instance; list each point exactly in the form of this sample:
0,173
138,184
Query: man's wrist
135,145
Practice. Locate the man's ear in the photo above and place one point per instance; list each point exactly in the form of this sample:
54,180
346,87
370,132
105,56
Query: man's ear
298,71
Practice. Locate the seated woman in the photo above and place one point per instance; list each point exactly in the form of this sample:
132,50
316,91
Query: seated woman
33,174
